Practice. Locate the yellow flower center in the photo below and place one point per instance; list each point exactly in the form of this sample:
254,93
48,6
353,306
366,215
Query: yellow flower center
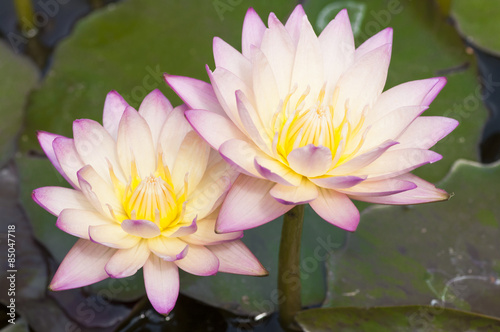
295,125
152,198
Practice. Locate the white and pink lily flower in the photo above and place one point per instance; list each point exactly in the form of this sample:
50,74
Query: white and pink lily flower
305,119
146,193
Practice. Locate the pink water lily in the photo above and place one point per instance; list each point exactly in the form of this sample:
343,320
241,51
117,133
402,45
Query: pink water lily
305,119
146,193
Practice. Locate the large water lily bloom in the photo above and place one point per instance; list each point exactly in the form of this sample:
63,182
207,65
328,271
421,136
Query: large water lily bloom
305,118
146,193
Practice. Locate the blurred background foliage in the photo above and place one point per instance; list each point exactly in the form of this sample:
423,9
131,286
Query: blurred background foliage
430,267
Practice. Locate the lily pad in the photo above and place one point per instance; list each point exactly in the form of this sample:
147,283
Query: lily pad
477,22
444,253
127,47
20,76
424,46
401,319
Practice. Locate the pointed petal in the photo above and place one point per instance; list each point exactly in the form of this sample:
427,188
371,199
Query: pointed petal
265,89
199,261
364,81
235,257
68,158
337,209
308,67
141,228
204,122
186,230
46,140
426,131
98,192
248,205
337,42
135,143
310,160
379,188
253,30
294,23
97,148
112,235
381,38
195,93
155,109
192,159
392,125
421,92
161,279
304,193
363,159
172,135
127,262
82,266
168,249
241,154
397,162
77,222
114,106
279,50
228,57
205,234
275,171
337,182
425,192
56,199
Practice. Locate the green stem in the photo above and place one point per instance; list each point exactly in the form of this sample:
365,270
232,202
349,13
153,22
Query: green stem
288,271
25,14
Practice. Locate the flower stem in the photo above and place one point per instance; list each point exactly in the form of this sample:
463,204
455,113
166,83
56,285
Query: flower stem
288,271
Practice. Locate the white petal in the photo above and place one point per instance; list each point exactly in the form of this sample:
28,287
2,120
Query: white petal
168,249
228,57
141,228
199,261
161,279
304,193
135,143
127,262
310,160
82,266
56,199
205,234
294,23
68,158
114,106
235,257
112,235
379,188
248,205
155,109
241,154
426,131
253,30
192,159
336,208
275,171
77,222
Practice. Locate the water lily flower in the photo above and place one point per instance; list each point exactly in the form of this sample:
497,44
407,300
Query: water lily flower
305,119
146,193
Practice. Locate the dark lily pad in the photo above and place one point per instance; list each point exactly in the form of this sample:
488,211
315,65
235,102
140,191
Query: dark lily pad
477,22
424,46
401,319
444,253
19,77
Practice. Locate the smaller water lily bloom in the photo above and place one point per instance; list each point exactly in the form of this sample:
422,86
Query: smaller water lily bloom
146,194
305,119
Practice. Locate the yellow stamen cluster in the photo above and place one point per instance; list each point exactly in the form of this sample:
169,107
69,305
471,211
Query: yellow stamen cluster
152,198
297,125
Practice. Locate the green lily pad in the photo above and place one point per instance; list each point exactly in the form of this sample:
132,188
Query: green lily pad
444,253
20,75
477,21
424,46
401,319
127,47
